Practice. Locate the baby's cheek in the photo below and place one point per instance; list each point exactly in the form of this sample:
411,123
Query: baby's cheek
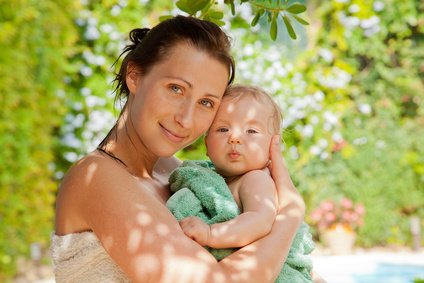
260,154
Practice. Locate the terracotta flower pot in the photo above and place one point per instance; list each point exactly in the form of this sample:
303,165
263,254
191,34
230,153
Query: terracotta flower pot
340,239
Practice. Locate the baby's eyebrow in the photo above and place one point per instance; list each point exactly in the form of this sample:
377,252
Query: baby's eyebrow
220,120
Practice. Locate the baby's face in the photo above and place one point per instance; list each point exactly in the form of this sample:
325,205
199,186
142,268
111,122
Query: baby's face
238,140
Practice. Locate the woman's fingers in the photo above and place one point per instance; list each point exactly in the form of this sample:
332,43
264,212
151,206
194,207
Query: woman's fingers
287,193
277,162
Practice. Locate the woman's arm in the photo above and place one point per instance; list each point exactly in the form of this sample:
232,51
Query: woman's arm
146,241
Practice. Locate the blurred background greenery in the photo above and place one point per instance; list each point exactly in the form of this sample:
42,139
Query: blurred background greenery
350,86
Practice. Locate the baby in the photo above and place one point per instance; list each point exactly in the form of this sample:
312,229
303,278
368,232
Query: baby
238,145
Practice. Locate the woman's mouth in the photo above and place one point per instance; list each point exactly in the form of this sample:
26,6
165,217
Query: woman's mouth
170,135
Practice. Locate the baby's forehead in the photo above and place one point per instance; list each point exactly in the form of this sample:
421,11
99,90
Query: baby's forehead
253,101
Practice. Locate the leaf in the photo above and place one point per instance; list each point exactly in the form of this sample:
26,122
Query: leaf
217,15
191,6
289,27
183,6
218,22
273,29
231,3
255,19
269,16
165,17
300,20
296,8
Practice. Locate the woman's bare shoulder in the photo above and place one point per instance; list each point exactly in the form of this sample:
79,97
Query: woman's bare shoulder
90,182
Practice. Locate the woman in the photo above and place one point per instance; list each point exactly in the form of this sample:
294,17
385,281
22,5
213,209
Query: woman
111,220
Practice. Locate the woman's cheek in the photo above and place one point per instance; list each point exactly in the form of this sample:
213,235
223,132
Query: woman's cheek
205,121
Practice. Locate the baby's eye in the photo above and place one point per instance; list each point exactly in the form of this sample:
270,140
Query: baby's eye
176,89
207,103
252,131
222,130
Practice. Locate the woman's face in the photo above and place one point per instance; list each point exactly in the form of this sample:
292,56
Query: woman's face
176,101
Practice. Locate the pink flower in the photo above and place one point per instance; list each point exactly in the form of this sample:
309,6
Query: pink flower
360,209
346,216
327,205
346,203
316,215
331,213
329,216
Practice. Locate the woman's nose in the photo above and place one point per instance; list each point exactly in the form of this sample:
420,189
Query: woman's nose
184,114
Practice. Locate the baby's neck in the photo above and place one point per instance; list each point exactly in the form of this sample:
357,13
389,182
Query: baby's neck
232,179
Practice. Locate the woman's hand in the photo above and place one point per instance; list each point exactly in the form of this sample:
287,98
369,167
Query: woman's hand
287,193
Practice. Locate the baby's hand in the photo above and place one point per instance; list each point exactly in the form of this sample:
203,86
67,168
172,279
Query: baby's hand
196,229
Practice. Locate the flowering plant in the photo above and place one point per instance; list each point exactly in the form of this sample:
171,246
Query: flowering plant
331,213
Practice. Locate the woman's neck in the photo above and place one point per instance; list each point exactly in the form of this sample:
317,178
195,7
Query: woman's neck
125,147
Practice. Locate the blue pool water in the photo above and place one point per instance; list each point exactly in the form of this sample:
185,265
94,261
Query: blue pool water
390,273
387,268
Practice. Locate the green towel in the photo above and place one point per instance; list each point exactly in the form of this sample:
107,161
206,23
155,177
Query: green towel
200,191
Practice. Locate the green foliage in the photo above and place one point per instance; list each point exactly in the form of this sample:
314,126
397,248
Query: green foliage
33,55
268,9
352,100
372,174
103,28
375,155
352,104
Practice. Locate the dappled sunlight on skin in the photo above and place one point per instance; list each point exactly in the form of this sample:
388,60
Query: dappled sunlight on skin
144,219
163,229
266,202
134,240
154,245
147,263
90,172
260,154
107,242
231,107
174,270
171,262
179,266
244,268
251,113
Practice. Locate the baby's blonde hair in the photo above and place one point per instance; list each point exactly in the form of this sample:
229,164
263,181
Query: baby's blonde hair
239,90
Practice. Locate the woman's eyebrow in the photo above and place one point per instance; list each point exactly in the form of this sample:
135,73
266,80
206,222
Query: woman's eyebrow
213,95
181,79
190,85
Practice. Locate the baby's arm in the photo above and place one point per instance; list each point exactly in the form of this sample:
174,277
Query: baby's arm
258,199
196,229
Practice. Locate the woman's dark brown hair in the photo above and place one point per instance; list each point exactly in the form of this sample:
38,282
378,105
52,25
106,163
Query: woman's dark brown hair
148,47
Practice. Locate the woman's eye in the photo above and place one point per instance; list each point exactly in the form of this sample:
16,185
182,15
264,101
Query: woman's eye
252,131
222,130
207,103
175,89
